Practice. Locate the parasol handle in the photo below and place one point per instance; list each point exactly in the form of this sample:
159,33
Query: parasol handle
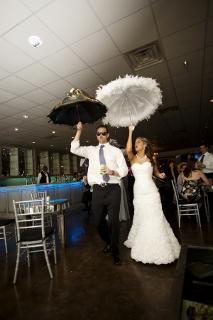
78,112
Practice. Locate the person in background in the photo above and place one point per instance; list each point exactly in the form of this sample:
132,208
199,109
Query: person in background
43,176
205,162
87,194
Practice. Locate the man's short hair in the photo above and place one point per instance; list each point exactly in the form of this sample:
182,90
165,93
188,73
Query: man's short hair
102,126
204,144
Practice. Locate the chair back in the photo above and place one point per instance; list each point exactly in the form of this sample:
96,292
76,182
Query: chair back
29,216
174,186
39,195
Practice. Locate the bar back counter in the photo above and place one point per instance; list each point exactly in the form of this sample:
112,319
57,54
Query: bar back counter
69,190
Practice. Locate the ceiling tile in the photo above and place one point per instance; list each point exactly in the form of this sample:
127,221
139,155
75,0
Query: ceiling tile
58,88
71,20
16,85
36,5
20,104
158,71
27,121
3,73
113,68
64,62
11,58
40,111
33,26
38,96
175,15
5,110
12,12
168,93
5,96
184,42
84,79
174,120
209,40
195,62
96,48
110,11
134,31
37,75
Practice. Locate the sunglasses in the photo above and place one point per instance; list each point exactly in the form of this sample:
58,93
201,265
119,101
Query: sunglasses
101,133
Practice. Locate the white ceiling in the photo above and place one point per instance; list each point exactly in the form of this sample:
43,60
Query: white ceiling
84,42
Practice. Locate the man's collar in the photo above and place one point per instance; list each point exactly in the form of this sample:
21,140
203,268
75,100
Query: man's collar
104,144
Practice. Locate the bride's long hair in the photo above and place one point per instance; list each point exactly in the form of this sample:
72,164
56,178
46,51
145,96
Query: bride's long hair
148,149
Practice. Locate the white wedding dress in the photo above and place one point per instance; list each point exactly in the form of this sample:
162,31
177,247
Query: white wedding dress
151,238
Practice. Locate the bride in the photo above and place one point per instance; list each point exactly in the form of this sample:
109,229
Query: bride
151,238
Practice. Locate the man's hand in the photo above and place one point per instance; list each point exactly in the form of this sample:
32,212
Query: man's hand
106,170
162,175
79,126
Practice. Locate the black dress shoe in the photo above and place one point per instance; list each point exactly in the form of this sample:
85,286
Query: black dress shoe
117,260
107,249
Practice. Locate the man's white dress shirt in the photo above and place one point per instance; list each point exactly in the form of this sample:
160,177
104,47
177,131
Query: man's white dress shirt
114,161
208,161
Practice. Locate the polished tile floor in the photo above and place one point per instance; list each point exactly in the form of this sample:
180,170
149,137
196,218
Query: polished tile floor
86,284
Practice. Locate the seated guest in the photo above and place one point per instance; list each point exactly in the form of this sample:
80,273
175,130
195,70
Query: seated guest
192,179
43,176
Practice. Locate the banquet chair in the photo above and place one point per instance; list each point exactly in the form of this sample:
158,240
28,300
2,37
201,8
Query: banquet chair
32,235
36,195
4,224
185,209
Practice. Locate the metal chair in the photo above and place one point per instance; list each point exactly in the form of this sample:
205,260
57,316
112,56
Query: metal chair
4,224
36,195
32,235
185,209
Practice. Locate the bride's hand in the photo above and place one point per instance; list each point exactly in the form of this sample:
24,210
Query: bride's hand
131,128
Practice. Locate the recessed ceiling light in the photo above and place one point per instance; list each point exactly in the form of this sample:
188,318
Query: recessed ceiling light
211,100
51,145
16,129
35,41
25,116
53,132
186,64
33,142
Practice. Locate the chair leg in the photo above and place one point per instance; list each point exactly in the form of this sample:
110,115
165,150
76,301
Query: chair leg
47,259
17,263
198,217
28,258
54,249
5,240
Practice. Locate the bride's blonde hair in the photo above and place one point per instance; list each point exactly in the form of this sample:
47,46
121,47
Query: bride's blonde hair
148,149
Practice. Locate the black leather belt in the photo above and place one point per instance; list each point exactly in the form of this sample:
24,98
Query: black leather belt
105,184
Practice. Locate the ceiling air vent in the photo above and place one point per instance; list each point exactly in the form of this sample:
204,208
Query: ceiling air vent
145,56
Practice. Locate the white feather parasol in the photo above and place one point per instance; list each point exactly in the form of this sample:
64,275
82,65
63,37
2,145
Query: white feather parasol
129,100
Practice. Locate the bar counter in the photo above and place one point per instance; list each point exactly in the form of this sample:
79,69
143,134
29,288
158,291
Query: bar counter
69,190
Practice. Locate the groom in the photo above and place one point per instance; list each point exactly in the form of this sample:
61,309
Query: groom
106,167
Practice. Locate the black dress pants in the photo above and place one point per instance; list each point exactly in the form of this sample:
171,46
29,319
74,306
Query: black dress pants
106,200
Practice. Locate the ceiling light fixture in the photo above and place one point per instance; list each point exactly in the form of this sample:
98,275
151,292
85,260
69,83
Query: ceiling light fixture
51,145
53,132
35,41
33,142
25,116
186,64
211,100
16,129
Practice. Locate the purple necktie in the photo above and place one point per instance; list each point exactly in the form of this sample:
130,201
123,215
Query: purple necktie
103,161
